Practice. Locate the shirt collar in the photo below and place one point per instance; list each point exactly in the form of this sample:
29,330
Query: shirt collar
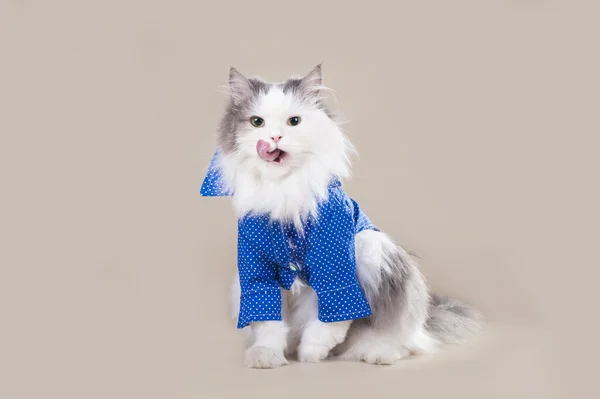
214,185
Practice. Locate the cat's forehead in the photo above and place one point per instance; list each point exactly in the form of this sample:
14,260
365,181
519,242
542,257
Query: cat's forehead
276,100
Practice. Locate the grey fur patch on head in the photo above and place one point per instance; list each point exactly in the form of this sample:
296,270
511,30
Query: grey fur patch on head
243,94
309,89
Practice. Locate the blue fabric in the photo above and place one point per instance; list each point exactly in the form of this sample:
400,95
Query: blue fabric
213,185
272,254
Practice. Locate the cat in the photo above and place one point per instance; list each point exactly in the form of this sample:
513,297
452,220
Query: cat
280,148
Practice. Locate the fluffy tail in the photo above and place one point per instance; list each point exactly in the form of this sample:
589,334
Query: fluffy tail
451,321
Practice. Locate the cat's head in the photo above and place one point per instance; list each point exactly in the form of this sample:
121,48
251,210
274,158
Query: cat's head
281,136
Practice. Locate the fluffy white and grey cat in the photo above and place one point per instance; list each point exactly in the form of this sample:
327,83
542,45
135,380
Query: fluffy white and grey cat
281,146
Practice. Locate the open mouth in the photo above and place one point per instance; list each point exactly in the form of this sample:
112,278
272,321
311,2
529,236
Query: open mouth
276,156
282,155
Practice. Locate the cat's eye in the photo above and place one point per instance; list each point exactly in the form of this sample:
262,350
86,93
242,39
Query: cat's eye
257,121
294,120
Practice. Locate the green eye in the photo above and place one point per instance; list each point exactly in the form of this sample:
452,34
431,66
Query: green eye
294,120
257,121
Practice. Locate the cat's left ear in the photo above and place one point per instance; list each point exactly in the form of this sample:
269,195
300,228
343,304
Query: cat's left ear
239,86
311,84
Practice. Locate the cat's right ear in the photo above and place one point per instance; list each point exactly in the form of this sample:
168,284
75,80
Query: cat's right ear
311,84
239,86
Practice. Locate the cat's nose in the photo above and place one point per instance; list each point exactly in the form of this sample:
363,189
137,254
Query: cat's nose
276,137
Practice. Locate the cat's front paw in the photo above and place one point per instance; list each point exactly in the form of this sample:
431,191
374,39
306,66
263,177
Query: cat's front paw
312,353
261,357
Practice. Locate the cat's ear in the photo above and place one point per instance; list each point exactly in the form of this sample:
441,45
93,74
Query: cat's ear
311,84
239,86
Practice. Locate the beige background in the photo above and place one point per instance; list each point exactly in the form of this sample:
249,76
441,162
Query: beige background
477,125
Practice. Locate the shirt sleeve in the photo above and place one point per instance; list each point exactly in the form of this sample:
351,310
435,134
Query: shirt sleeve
260,298
332,260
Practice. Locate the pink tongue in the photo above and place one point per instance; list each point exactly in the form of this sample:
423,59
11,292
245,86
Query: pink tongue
262,148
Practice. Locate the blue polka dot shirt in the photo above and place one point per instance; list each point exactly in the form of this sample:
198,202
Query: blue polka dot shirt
272,254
